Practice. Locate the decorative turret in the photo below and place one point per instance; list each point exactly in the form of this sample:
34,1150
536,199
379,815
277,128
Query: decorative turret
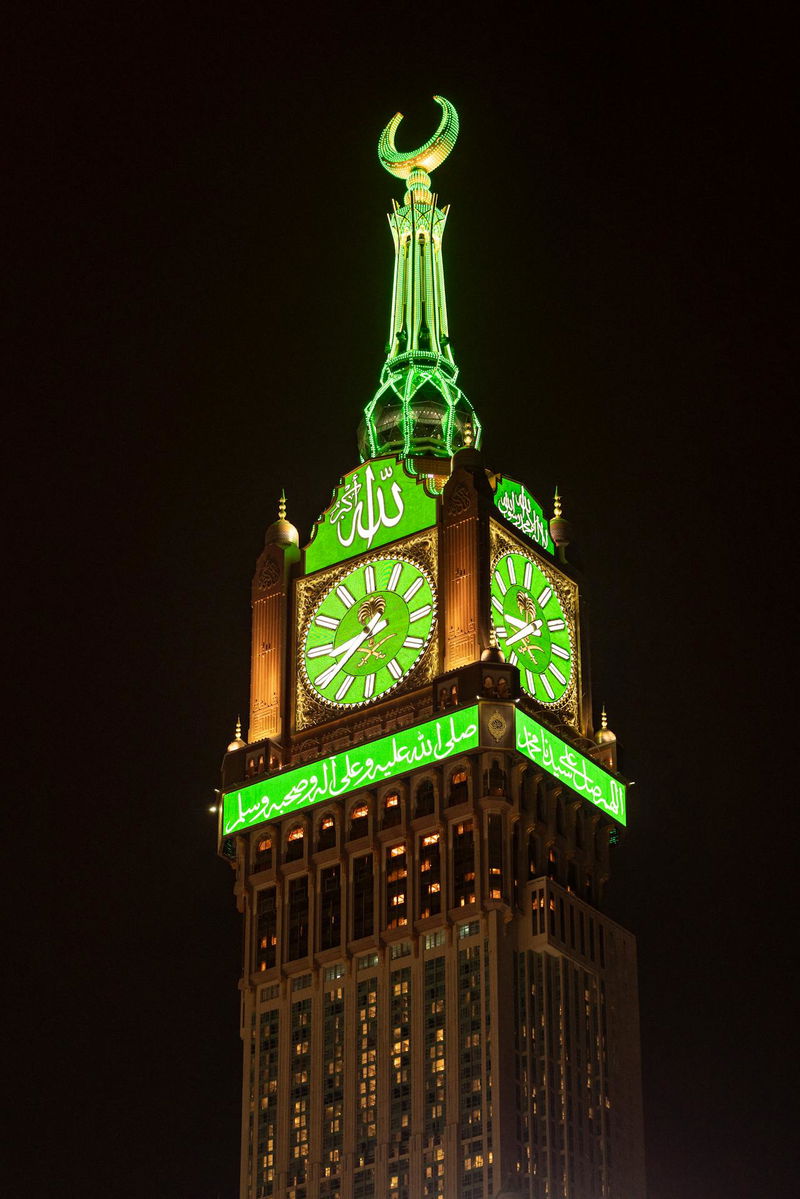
237,742
282,531
418,408
560,528
604,735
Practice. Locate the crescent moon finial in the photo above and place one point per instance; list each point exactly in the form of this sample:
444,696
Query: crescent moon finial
429,156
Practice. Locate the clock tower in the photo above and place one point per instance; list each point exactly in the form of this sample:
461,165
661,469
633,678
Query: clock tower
434,1005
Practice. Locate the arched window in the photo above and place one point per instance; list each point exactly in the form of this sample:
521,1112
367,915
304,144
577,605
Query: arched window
560,816
459,788
552,864
424,799
262,858
533,855
497,779
572,878
578,830
392,810
326,837
359,821
295,843
541,804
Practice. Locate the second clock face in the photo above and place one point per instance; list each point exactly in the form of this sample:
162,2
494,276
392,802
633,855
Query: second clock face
531,627
369,631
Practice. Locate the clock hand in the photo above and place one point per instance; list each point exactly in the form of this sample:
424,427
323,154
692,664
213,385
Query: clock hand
525,631
346,651
375,625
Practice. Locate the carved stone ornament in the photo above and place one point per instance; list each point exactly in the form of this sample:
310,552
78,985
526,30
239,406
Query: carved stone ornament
459,501
497,724
268,575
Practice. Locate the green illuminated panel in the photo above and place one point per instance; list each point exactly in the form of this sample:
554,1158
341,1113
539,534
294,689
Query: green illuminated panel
374,504
571,767
517,505
342,773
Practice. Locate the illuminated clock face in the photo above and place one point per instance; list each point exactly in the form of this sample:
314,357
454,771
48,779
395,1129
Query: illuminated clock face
369,631
531,627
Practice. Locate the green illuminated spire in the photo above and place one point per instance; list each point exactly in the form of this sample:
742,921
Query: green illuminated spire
418,408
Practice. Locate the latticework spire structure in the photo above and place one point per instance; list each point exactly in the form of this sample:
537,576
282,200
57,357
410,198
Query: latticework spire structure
418,408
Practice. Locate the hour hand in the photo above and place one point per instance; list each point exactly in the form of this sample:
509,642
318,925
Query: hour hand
344,652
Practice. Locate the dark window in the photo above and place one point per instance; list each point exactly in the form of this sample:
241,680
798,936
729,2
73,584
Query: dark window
359,821
578,830
463,864
572,877
262,859
363,897
495,856
496,782
430,876
459,789
297,940
392,810
266,929
552,864
515,863
533,856
560,816
396,886
330,908
326,838
424,799
294,844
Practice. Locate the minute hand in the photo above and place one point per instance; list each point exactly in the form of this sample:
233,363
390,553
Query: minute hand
525,631
345,651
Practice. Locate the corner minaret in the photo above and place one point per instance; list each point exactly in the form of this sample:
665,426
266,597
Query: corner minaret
418,409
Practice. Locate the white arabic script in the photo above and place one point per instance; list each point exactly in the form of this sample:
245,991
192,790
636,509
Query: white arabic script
517,508
361,509
571,767
343,772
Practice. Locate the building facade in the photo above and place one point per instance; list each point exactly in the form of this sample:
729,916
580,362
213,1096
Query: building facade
434,1005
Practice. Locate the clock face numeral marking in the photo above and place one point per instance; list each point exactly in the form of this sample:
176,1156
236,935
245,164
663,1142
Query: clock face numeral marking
556,673
411,591
531,625
369,631
320,651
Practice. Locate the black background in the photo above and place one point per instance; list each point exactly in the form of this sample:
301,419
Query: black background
200,291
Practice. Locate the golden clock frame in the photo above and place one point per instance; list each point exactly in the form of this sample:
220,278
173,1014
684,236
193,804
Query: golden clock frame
307,708
568,708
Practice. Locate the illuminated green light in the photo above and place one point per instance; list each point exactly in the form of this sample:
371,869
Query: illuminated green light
374,504
364,766
518,506
583,776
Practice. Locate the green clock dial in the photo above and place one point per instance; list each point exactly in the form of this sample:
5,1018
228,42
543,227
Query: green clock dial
531,627
369,631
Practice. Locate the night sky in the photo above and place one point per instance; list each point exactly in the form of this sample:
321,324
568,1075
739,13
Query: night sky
201,272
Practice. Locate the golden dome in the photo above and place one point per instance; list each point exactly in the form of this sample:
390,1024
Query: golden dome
604,736
282,532
237,742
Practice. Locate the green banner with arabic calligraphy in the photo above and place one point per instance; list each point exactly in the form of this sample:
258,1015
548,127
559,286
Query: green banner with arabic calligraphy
518,506
364,766
374,504
583,776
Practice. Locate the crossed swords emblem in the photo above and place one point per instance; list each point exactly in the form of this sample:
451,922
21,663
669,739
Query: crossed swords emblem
528,609
369,609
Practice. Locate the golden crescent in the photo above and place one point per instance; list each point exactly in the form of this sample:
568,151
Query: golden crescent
427,157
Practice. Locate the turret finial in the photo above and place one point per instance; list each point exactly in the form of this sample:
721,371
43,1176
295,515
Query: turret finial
603,718
556,504
282,505
428,157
